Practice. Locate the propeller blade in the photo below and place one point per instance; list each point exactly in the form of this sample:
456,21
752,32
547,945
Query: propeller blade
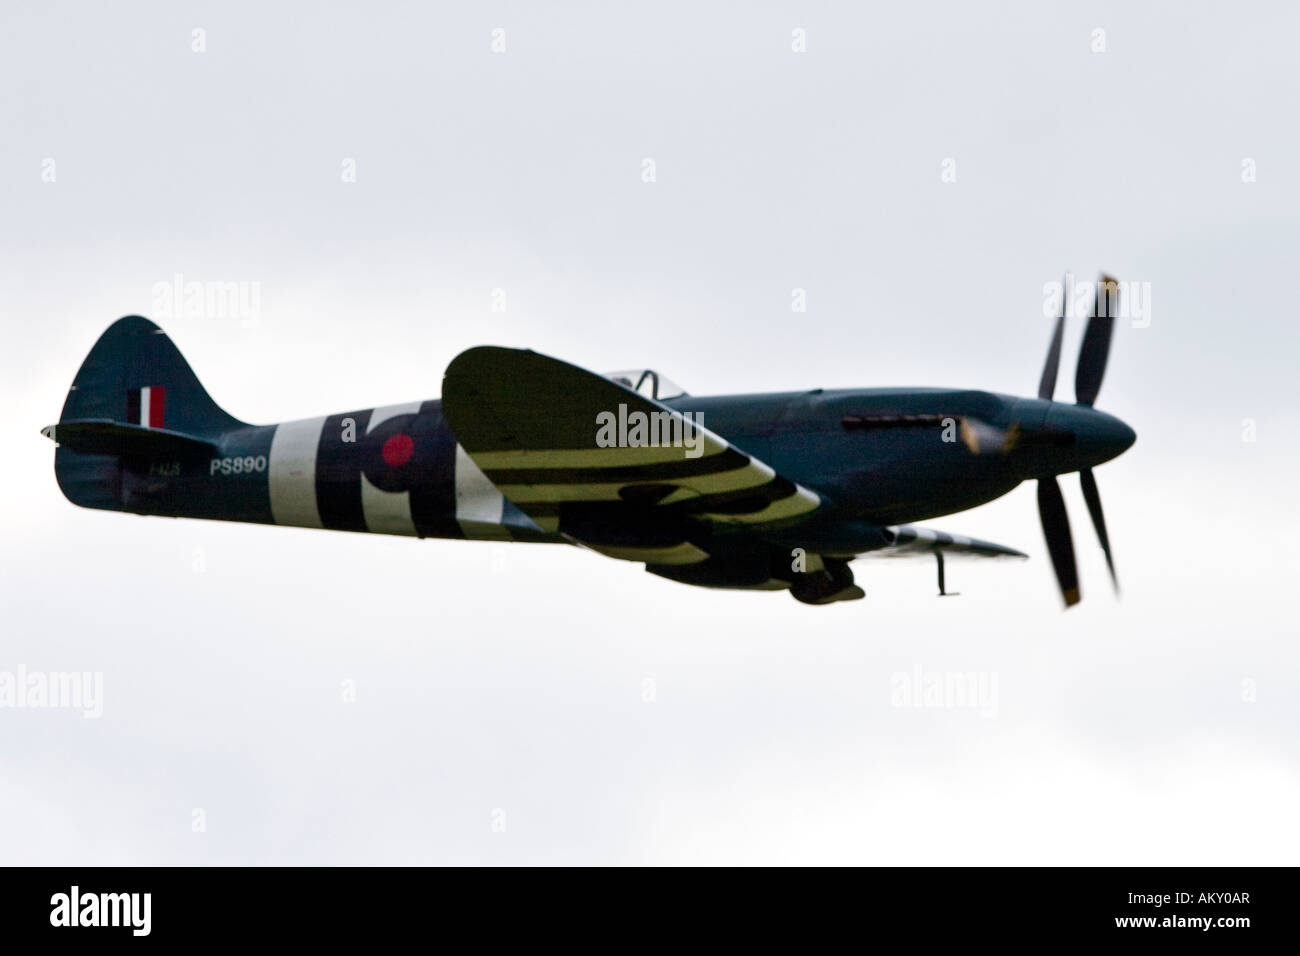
1093,497
1096,342
1047,384
1060,544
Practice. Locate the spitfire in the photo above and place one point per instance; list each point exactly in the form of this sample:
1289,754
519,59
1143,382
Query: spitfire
509,453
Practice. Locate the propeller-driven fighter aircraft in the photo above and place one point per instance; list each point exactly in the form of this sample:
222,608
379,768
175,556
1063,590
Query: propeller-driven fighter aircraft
757,491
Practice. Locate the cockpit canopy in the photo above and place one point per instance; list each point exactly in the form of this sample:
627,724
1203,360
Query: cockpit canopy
648,382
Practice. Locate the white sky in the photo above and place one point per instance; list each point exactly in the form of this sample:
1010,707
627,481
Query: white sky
511,678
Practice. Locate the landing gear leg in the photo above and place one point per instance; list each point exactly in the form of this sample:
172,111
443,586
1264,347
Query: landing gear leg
943,591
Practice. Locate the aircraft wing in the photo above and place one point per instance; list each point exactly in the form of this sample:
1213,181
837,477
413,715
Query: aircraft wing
911,541
541,430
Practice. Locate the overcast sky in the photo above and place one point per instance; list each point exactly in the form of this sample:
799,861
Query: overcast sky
531,704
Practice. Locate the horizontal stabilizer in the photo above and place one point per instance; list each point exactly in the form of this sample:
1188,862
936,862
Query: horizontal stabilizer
97,436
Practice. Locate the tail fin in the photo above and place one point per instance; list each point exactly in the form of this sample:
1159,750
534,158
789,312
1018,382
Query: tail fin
134,398
134,372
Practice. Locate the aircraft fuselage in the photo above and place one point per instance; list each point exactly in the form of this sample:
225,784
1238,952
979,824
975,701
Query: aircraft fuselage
876,456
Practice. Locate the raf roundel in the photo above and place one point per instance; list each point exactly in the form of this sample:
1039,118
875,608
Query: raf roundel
397,450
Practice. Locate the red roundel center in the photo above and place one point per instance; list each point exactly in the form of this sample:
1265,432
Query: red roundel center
398,450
